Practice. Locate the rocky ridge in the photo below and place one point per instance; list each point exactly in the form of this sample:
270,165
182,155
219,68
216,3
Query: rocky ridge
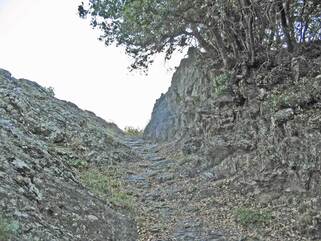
43,142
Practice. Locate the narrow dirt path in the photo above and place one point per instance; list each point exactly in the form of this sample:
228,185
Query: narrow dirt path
171,205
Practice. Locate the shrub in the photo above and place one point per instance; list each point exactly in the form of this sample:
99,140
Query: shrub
78,163
51,91
220,83
247,217
133,131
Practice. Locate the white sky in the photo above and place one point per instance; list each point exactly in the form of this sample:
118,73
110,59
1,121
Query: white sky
45,41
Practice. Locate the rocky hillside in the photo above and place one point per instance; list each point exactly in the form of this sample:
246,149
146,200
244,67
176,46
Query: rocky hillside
256,129
232,156
44,142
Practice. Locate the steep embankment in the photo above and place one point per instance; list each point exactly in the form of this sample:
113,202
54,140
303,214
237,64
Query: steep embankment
43,141
255,135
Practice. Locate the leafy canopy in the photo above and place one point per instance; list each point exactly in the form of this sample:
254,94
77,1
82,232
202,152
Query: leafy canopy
144,27
229,30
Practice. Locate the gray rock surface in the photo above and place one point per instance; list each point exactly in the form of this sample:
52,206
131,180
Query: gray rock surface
41,138
174,111
165,211
262,129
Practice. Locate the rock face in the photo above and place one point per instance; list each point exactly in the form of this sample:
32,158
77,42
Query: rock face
41,138
174,112
261,126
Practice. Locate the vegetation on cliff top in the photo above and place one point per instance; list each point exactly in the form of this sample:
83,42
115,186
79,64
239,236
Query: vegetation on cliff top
132,131
233,30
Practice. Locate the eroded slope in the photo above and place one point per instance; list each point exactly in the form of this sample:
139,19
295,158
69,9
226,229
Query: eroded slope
41,140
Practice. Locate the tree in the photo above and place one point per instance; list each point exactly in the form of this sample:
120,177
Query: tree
231,30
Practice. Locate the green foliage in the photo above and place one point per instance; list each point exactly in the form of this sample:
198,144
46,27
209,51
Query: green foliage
14,226
247,217
51,91
282,100
220,83
144,27
4,229
179,99
131,131
231,31
298,95
107,184
78,163
7,228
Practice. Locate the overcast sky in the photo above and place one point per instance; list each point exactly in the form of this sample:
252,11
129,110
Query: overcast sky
45,41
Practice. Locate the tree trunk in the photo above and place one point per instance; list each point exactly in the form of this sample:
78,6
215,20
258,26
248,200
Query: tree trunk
209,48
221,48
302,27
249,33
247,23
285,28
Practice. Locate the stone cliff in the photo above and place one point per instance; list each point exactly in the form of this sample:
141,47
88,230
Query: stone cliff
42,141
174,112
259,128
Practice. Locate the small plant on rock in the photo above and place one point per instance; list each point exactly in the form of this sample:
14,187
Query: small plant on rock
4,229
7,229
131,131
78,163
248,217
220,83
107,184
51,91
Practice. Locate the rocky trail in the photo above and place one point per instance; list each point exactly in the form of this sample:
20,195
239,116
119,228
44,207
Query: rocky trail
176,203
169,203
